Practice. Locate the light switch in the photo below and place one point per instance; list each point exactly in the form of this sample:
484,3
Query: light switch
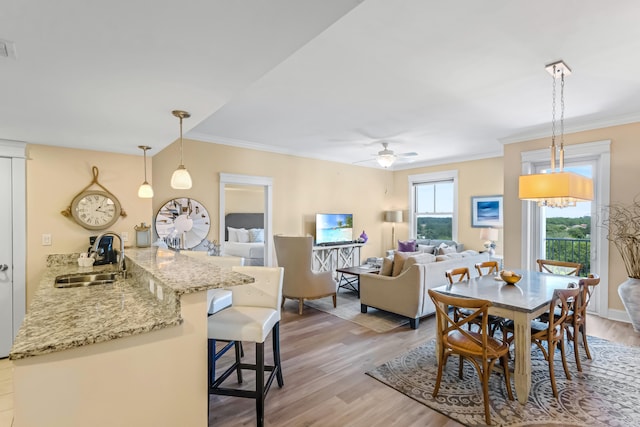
46,240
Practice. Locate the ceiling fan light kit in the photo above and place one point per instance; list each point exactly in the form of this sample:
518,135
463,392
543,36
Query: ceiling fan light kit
181,180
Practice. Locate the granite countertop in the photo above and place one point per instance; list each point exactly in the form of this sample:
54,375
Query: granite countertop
61,319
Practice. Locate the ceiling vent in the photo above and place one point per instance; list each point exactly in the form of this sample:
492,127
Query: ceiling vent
7,49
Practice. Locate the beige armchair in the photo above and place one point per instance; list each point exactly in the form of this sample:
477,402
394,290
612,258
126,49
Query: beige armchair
300,282
403,294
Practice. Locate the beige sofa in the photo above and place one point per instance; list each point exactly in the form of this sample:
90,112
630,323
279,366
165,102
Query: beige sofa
406,294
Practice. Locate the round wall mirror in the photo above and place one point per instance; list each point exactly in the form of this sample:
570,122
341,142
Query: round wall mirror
183,223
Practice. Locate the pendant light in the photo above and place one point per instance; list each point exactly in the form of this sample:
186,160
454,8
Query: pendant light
181,180
145,191
556,188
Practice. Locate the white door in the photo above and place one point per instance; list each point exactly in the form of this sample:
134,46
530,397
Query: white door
595,156
6,260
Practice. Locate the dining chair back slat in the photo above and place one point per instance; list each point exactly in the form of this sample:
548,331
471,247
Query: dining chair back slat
479,348
559,267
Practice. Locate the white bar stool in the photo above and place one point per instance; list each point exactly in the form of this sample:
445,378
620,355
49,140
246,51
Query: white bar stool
254,313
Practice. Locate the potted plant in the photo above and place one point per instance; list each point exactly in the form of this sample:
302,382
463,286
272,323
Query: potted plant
623,225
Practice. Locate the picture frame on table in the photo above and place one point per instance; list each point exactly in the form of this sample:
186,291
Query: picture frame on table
486,211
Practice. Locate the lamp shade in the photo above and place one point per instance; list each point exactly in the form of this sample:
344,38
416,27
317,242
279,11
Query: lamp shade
490,234
145,191
393,216
181,180
558,185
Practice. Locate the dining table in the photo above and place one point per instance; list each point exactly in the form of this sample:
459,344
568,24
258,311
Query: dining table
521,302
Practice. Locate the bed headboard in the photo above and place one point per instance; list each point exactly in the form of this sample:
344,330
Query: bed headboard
242,220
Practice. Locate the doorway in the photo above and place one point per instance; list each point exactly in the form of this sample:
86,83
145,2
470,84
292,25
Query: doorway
571,232
233,186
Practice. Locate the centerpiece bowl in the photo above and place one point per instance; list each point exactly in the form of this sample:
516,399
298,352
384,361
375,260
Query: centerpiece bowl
510,277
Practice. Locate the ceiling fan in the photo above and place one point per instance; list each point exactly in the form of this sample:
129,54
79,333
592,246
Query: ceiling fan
387,157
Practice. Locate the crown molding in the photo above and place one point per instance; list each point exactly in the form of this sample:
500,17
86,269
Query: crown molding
583,125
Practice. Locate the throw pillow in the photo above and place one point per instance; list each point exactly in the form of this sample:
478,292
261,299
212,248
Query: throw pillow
427,249
406,246
256,235
233,237
442,258
243,235
387,267
444,249
398,262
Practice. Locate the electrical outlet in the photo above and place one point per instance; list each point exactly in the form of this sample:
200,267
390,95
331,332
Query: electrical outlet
152,286
159,292
46,240
125,236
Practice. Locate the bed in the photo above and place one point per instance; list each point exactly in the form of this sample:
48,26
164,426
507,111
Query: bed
244,237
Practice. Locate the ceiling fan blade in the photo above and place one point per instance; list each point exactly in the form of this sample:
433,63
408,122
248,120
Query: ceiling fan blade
410,154
363,161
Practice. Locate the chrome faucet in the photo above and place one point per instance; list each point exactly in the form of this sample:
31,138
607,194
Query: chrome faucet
122,268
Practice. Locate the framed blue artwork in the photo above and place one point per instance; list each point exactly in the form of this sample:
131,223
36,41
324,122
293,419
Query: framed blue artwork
486,211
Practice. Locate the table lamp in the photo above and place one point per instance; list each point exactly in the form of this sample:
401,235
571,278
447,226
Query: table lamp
489,235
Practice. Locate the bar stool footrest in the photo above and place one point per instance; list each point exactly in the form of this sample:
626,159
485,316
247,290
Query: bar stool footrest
225,391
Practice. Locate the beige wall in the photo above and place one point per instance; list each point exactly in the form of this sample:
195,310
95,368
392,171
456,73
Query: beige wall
243,199
475,178
625,176
301,187
54,177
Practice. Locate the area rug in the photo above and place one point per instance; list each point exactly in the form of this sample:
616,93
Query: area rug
605,393
348,308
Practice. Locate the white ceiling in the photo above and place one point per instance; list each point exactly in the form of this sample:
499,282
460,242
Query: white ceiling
325,79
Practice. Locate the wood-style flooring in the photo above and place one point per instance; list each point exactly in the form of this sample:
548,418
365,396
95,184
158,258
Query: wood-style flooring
324,363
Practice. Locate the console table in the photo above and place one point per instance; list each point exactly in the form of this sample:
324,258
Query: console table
330,258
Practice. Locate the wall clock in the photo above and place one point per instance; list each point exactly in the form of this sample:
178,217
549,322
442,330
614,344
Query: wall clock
95,209
183,223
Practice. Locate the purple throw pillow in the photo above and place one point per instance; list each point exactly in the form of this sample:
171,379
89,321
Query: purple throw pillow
406,246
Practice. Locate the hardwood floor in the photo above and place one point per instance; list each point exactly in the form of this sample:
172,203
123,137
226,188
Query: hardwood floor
324,360
324,363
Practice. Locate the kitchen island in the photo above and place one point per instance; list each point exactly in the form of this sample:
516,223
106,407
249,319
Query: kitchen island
131,353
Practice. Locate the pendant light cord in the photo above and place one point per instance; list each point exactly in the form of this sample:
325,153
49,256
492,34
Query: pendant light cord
145,164
181,159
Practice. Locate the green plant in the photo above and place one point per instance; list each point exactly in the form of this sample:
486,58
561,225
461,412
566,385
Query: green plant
623,225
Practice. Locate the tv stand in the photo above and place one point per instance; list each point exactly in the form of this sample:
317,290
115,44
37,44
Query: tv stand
334,256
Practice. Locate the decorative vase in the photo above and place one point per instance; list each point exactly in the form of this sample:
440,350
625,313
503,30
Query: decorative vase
629,292
364,237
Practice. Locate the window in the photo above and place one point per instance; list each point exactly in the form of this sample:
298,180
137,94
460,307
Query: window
540,225
433,206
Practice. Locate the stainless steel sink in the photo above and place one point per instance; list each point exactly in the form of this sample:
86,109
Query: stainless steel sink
84,279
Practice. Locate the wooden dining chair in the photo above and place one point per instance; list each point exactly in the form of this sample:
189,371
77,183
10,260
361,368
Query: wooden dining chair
552,332
462,273
491,265
576,321
457,274
559,267
479,348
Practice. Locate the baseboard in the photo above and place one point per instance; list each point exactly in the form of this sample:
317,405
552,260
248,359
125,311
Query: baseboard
618,315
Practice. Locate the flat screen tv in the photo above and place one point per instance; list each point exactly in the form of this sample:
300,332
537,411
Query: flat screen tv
334,228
